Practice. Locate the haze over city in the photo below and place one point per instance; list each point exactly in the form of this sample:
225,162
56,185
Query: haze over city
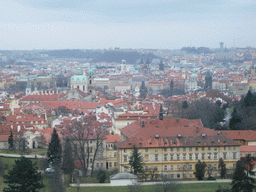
154,24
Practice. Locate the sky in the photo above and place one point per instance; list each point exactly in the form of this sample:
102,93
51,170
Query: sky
103,24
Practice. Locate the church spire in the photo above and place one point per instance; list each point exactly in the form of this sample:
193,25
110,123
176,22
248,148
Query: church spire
161,113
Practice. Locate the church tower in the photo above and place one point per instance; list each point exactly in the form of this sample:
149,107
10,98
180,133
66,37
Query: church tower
161,66
161,113
143,90
28,89
91,86
208,81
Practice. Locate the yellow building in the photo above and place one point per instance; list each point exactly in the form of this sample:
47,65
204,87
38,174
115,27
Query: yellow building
111,151
174,146
178,156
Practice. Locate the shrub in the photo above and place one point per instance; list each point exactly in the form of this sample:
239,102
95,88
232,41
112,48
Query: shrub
101,176
211,178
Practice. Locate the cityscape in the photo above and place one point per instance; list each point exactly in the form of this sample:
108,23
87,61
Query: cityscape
92,101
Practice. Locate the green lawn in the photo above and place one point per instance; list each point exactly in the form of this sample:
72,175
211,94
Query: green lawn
200,187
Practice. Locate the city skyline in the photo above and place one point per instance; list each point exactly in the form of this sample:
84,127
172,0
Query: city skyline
62,24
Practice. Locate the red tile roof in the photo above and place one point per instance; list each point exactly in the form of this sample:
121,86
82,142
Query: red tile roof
113,138
248,148
247,135
184,141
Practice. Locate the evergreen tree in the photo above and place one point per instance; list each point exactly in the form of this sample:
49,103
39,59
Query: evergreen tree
23,177
243,179
136,161
68,161
10,141
184,106
223,168
249,100
54,151
235,120
200,170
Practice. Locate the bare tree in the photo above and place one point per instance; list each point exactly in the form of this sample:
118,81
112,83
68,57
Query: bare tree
86,141
135,187
167,184
152,172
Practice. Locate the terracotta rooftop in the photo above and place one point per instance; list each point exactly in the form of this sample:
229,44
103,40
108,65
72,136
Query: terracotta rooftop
247,135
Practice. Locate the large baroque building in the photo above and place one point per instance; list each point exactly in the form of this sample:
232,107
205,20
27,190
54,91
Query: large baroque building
174,146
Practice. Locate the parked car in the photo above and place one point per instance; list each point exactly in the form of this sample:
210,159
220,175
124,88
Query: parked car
49,170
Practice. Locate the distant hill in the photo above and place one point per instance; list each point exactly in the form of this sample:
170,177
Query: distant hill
99,56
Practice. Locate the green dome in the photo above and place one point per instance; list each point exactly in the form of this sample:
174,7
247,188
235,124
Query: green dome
91,72
79,78
194,75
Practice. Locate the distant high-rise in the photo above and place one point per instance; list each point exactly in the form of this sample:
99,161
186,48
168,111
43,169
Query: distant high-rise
161,66
221,46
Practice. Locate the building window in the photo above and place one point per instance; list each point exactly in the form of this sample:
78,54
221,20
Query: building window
178,167
114,164
190,156
209,156
110,164
146,150
190,148
97,164
202,156
156,157
184,156
115,154
202,148
171,156
196,148
178,157
90,160
146,168
165,149
184,149
178,149
156,167
234,155
172,176
190,167
165,167
234,148
224,156
215,166
171,167
215,156
215,148
101,165
229,148
234,166
125,158
196,156
224,148
165,157
209,148
125,150
171,149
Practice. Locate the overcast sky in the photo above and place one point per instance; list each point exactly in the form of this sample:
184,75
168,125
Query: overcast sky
158,24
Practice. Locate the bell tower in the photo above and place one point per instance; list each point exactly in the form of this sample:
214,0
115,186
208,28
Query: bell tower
91,86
